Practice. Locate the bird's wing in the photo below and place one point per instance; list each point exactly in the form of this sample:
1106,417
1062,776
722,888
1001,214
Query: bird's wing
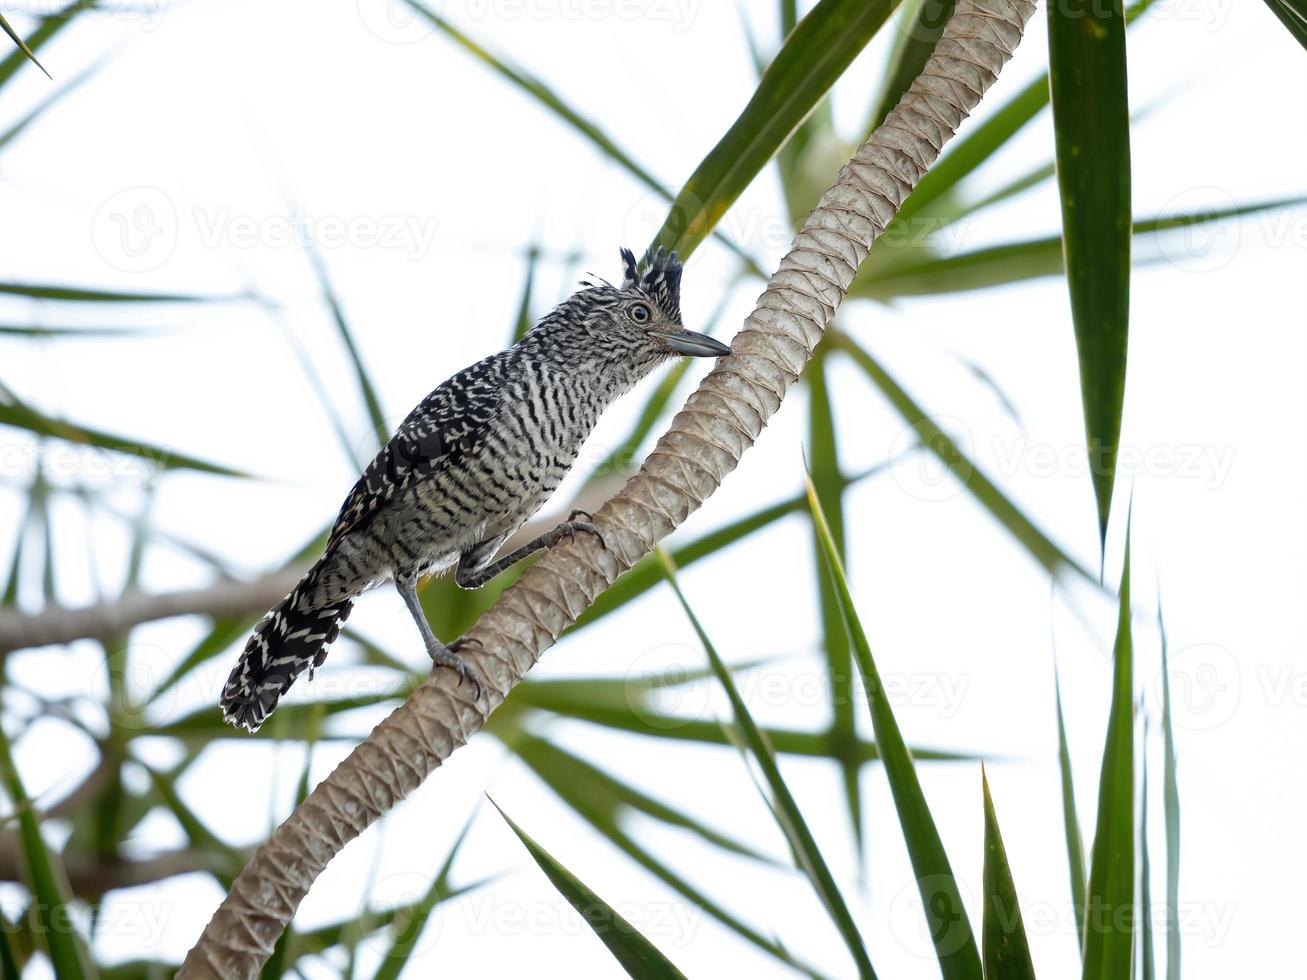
449,423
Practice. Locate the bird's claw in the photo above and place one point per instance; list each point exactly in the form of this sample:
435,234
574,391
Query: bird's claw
448,657
570,526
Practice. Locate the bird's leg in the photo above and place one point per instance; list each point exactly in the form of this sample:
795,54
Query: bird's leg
471,575
441,655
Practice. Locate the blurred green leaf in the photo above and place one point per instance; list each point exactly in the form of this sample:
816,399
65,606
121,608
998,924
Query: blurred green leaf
408,927
1030,259
938,442
16,130
46,28
546,96
9,597
22,416
1075,848
46,877
784,807
596,801
356,455
10,957
637,956
1023,182
969,151
1171,814
823,460
76,294
919,28
646,573
371,400
205,724
813,56
22,45
1091,126
1293,15
349,932
1144,923
524,321
946,916
1109,928
972,149
607,795
228,861
614,703
1006,952
227,630
34,332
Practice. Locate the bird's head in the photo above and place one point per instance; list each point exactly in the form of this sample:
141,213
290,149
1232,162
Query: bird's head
639,321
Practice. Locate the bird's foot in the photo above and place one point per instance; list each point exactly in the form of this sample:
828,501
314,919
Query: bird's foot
447,656
570,526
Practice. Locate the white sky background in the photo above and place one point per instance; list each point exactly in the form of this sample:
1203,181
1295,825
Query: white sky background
219,113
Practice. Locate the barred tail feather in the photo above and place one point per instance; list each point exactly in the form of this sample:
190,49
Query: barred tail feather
285,642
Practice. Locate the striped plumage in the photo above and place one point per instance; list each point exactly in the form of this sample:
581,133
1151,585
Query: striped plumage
468,467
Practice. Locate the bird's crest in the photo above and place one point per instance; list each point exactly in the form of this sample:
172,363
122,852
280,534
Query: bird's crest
661,280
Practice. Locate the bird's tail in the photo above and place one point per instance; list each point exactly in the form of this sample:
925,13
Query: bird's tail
287,640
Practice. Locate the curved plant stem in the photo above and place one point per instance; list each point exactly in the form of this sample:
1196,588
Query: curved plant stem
704,443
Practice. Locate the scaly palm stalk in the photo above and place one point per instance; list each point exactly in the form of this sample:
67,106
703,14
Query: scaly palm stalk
704,443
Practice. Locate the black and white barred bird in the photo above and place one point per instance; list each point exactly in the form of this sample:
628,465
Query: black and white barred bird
467,468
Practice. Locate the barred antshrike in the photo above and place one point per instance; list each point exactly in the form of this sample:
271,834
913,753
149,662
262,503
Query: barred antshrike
467,468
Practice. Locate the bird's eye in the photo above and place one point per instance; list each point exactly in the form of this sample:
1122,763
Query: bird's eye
640,313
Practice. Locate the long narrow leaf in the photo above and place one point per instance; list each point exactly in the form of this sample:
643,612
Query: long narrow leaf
981,144
47,879
1091,125
938,442
542,93
371,400
78,294
823,460
637,955
1171,814
1030,259
22,416
34,332
612,795
813,56
16,130
647,572
1006,952
920,29
946,916
571,783
1144,922
1109,933
609,707
1293,15
524,321
46,29
22,45
411,924
1075,847
785,808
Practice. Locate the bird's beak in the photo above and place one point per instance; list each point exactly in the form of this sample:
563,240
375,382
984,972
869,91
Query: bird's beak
693,344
